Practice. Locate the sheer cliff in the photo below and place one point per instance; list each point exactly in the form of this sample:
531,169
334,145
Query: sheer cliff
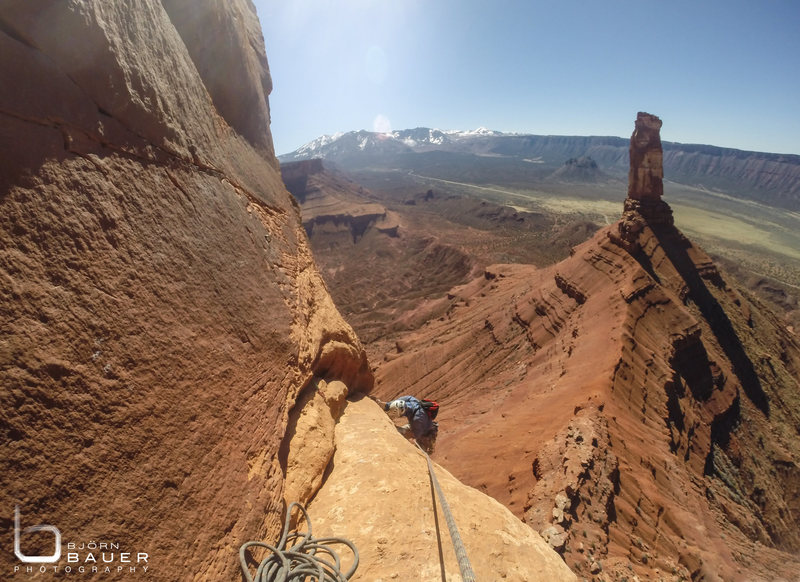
160,305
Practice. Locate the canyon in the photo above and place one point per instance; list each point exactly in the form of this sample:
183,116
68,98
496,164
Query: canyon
631,402
189,327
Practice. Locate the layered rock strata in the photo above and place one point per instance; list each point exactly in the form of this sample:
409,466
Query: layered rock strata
329,206
631,403
161,310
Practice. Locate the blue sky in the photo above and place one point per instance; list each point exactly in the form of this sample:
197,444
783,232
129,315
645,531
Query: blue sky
724,73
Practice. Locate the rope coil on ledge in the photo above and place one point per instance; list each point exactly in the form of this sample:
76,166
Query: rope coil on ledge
293,563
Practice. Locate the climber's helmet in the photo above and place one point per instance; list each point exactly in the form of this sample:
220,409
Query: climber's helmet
397,407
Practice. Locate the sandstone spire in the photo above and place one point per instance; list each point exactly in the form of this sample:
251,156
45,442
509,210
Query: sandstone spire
645,184
647,169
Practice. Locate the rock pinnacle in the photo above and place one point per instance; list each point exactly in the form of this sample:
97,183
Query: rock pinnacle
647,168
644,205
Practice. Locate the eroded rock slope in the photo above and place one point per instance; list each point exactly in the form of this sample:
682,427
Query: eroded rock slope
631,402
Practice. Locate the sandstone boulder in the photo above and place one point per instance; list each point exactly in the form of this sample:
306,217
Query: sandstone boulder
309,440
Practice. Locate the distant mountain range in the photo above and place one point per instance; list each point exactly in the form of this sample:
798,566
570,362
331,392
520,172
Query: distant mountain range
483,155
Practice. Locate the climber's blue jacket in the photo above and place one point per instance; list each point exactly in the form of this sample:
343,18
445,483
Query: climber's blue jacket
421,423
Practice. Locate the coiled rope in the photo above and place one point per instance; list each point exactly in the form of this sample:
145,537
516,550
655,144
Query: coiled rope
294,563
464,565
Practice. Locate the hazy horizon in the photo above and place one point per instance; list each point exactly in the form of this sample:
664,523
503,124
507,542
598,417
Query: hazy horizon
451,130
717,73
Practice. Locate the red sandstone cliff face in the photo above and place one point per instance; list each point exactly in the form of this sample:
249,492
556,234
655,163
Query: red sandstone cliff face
646,160
630,402
600,400
160,306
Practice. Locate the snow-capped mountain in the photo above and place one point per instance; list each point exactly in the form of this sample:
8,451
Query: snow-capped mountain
316,145
406,140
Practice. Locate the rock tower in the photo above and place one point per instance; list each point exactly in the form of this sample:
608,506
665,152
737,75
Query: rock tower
647,168
645,183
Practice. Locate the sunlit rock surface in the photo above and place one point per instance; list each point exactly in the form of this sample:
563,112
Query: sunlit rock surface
379,496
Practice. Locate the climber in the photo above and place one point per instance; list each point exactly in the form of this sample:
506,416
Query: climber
420,414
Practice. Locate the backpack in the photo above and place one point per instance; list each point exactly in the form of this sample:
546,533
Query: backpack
431,407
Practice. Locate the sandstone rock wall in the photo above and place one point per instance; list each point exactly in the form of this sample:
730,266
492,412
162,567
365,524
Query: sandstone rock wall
226,46
160,306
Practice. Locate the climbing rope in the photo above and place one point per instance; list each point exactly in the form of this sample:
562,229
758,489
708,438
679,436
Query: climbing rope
294,563
467,574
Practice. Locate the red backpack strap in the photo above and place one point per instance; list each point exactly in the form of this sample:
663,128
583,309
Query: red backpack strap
431,407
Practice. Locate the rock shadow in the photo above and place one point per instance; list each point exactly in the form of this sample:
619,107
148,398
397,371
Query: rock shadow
692,367
721,429
675,248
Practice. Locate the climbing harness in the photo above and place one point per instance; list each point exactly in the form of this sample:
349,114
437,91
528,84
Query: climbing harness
295,563
464,565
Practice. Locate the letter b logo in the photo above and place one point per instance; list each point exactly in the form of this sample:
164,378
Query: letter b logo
34,528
